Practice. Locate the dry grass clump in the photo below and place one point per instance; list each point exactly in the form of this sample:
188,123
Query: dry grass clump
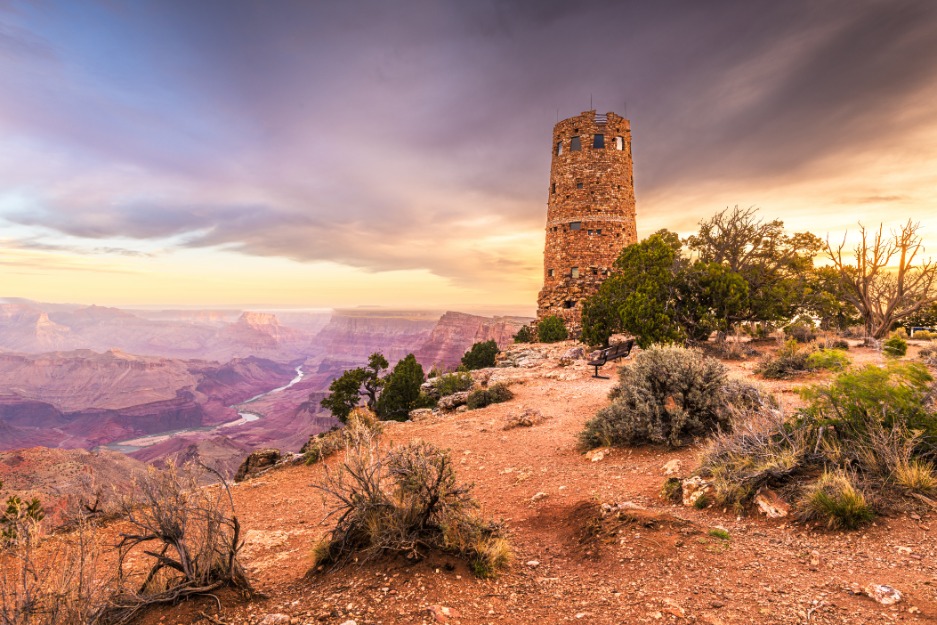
361,422
188,538
789,361
835,501
405,501
668,396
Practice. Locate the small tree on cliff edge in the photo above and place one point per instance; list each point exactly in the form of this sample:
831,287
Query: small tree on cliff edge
401,392
345,391
480,355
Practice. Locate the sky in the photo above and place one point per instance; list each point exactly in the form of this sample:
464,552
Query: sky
310,154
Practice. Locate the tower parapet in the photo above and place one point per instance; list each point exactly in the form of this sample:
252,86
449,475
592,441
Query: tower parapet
590,210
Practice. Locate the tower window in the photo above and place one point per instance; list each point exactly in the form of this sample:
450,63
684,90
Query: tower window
575,144
574,272
619,143
595,271
590,233
598,141
559,148
575,225
551,273
578,185
553,189
569,304
599,231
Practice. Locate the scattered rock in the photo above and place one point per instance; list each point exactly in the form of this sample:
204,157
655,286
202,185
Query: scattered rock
694,489
421,414
573,353
598,454
771,504
537,497
527,417
886,595
275,619
672,467
461,409
814,559
608,508
451,402
442,614
673,608
256,463
533,563
258,540
564,361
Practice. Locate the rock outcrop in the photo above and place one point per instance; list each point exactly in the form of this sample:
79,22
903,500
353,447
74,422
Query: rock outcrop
456,332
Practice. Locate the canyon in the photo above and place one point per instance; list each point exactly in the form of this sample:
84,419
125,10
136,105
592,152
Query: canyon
74,377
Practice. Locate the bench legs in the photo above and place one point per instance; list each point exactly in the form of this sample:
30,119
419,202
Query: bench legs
602,377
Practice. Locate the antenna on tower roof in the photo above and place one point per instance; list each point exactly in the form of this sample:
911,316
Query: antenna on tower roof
590,102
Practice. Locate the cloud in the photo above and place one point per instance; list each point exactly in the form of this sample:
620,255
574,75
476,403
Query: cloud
390,136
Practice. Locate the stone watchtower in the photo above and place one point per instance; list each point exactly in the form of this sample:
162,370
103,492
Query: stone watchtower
590,211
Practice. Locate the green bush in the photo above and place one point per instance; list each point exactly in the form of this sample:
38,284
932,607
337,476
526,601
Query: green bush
524,335
451,383
17,517
480,355
895,346
828,359
790,360
924,335
551,329
839,344
668,395
836,502
494,394
858,402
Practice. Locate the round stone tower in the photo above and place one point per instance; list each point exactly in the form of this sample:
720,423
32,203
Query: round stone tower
590,210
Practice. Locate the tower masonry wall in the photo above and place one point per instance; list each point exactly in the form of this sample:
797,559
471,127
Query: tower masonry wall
590,210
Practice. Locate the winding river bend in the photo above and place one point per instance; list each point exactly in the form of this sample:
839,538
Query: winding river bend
246,416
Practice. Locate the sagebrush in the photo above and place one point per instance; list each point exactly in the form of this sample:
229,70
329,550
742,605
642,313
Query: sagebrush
668,396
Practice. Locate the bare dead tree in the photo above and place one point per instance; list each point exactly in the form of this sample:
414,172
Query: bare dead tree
882,292
189,537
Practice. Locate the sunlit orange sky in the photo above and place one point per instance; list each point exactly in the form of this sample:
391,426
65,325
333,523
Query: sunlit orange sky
313,154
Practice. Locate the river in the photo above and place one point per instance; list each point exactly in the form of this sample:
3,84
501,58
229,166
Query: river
246,416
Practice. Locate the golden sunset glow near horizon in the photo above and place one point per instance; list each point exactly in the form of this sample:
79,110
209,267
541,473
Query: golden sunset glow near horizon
312,155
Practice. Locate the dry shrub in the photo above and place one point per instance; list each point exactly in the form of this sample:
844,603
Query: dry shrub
187,537
668,395
52,580
361,422
405,501
761,451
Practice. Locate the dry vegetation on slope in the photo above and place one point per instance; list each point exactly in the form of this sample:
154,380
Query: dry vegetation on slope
594,541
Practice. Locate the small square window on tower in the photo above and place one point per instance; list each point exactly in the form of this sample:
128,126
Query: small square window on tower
575,225
598,142
619,143
575,144
578,185
559,148
574,272
551,272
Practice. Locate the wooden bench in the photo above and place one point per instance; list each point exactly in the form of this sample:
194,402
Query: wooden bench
611,353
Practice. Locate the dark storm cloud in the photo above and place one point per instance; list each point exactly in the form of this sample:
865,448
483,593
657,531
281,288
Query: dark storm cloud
373,133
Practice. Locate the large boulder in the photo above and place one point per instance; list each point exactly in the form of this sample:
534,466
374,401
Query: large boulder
451,402
256,463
